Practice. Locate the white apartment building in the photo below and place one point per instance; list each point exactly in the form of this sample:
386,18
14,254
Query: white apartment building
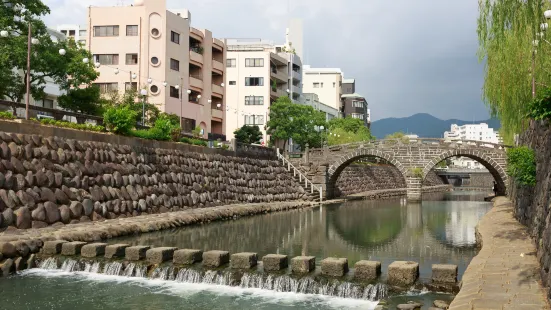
147,47
257,73
473,132
313,101
77,32
326,83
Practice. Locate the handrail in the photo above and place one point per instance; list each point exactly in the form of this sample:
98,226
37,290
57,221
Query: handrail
300,175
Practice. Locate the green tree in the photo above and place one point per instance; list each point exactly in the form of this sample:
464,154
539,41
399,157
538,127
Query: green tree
134,101
398,136
296,121
68,71
506,32
347,130
85,100
248,134
120,119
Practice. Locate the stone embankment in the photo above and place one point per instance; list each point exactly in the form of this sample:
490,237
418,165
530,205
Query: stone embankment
504,274
359,178
53,180
532,205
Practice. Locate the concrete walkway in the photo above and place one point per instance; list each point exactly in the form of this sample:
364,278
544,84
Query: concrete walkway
505,274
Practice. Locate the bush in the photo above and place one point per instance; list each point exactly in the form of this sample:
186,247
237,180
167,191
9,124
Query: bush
149,134
521,165
6,115
120,119
417,172
65,124
193,141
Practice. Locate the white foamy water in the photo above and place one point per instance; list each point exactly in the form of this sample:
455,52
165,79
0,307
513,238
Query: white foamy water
190,290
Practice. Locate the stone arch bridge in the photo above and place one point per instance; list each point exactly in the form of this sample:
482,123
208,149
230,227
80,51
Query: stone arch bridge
414,158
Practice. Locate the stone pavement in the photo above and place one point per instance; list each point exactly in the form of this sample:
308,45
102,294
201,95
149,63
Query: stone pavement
505,273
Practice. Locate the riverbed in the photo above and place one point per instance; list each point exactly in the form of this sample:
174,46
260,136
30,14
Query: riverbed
438,230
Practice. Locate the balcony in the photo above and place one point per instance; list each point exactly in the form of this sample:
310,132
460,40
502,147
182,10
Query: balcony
278,92
296,75
279,75
195,81
217,113
217,66
196,34
217,90
196,55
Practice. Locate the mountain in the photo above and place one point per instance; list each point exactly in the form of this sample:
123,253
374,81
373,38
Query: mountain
424,125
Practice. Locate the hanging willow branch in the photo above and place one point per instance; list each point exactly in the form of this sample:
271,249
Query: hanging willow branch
506,31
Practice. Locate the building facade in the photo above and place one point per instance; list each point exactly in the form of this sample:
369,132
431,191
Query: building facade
147,47
473,132
353,104
77,32
326,83
313,101
258,72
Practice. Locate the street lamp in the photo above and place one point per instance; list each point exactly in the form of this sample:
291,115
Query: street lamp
62,52
116,71
85,60
4,34
547,14
188,92
143,92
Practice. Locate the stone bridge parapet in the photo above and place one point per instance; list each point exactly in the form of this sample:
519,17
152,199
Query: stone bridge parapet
414,158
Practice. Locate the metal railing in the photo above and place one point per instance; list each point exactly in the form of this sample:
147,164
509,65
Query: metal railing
301,176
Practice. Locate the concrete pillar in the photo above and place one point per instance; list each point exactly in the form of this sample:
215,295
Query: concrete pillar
306,154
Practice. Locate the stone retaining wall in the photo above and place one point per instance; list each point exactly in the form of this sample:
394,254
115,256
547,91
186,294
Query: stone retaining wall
532,204
357,178
56,180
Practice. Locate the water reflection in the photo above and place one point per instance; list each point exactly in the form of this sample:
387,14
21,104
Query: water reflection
429,232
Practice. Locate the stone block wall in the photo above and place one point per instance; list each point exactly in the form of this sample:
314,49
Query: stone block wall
53,180
532,204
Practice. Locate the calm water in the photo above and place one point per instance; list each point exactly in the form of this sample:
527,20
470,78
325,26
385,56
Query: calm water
435,231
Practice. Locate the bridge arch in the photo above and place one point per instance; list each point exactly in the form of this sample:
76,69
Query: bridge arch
495,169
337,166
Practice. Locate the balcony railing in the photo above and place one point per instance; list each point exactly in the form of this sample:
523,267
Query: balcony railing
197,49
198,76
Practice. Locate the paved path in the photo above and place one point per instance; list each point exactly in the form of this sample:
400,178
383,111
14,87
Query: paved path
505,274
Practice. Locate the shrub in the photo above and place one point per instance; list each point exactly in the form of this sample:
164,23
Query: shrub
65,124
521,165
6,115
193,141
149,134
120,119
417,172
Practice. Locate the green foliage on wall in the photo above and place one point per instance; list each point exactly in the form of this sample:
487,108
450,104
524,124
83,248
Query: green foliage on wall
540,108
521,165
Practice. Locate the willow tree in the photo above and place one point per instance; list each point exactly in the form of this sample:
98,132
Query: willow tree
507,31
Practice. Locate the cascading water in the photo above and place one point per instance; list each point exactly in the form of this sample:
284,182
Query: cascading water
278,283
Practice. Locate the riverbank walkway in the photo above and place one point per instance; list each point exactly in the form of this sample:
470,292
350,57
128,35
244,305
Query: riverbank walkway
505,273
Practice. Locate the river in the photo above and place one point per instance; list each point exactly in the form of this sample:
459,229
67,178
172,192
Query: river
438,230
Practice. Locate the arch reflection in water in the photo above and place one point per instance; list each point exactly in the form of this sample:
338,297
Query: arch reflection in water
430,232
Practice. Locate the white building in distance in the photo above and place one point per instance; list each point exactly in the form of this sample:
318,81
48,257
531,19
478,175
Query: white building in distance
326,83
472,132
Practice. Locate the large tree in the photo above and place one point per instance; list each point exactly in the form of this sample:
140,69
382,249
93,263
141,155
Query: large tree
296,121
507,30
248,134
68,71
347,130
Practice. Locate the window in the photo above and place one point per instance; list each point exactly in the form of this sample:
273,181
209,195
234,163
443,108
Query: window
106,31
316,85
107,59
254,62
130,86
357,115
334,84
321,85
254,81
174,93
254,100
357,104
230,63
48,103
254,119
188,124
72,33
155,32
64,32
82,33
105,88
232,83
131,30
131,59
175,37
154,89
174,64
154,60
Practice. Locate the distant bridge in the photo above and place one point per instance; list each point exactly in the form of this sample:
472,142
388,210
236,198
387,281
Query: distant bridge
414,158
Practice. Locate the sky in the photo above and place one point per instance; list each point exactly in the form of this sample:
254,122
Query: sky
407,56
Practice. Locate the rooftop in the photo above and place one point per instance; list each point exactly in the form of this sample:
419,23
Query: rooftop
348,81
354,95
307,69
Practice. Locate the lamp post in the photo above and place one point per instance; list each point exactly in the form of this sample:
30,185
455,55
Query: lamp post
143,92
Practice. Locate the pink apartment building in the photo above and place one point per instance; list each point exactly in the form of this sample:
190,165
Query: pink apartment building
145,46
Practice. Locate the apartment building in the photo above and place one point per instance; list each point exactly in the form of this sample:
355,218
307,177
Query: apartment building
353,104
77,32
258,72
313,101
326,83
474,132
147,47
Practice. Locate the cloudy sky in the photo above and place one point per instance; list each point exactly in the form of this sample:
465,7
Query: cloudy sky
407,56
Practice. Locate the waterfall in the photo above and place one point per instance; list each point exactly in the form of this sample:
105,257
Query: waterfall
279,283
